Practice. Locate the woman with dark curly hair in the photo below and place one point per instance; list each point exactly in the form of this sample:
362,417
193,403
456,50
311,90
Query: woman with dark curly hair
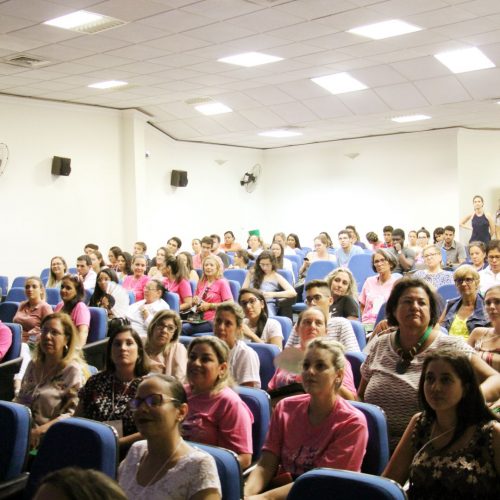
265,278
109,295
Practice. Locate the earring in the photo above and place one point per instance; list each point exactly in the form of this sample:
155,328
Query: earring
65,349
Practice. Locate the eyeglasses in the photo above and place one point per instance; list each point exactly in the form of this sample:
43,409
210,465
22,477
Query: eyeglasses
493,257
153,288
152,401
429,255
469,281
51,331
314,298
249,302
169,328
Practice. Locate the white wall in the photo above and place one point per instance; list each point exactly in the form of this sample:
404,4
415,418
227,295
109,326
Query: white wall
406,181
43,215
478,171
115,195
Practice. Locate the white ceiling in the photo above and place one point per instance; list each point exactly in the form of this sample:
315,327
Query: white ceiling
168,53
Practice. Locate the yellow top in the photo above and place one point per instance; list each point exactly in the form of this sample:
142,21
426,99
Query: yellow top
459,328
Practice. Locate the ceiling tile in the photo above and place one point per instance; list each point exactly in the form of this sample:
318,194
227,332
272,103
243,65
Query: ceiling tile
268,95
401,96
327,107
442,90
363,102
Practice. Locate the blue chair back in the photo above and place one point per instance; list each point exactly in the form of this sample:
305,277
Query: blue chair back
72,270
288,275
361,267
238,275
356,359
98,328
298,259
235,289
185,340
4,285
44,275
53,296
325,484
15,348
228,468
15,427
173,301
377,449
193,284
266,353
359,331
444,256
286,326
381,313
19,282
75,442
259,403
131,297
448,292
8,311
16,294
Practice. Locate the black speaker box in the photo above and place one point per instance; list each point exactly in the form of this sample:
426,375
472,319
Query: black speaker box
179,178
61,166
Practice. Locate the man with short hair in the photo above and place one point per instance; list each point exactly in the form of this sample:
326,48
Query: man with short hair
387,236
318,294
455,251
405,257
347,249
218,252
206,250
85,272
174,245
491,275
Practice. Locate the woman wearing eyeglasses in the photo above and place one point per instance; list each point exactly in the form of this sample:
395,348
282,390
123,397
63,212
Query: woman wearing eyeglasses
52,379
433,272
466,312
167,354
164,465
257,325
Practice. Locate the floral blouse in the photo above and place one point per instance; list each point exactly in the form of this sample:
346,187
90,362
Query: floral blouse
467,473
104,398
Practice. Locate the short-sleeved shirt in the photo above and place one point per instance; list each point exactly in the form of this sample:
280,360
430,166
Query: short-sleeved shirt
213,293
338,442
456,253
80,315
343,258
397,393
409,255
373,295
487,279
30,317
181,288
220,419
271,329
136,285
193,473
344,307
244,364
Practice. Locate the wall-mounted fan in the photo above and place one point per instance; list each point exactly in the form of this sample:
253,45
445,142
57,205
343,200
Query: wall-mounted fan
4,157
249,180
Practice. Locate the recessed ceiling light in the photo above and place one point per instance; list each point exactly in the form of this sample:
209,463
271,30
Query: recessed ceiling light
410,118
213,108
463,60
249,59
339,83
85,22
108,84
385,29
279,133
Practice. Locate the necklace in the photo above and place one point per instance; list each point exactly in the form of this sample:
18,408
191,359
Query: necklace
405,358
162,466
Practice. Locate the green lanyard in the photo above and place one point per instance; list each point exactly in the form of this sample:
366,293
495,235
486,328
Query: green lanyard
406,358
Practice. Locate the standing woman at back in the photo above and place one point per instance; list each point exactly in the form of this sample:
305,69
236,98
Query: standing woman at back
483,225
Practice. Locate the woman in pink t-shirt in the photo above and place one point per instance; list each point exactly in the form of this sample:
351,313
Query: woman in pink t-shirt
217,416
139,279
72,295
317,429
176,280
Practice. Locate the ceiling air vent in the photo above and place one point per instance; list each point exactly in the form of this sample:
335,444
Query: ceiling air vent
26,61
196,101
103,24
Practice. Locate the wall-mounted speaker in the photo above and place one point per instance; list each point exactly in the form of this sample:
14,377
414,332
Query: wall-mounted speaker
179,178
61,166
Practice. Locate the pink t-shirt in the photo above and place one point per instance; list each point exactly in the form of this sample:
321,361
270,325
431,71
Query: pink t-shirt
221,420
182,289
282,378
338,442
215,293
80,314
136,285
198,261
5,339
373,295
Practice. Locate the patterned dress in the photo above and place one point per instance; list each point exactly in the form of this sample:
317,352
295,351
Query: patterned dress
467,473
